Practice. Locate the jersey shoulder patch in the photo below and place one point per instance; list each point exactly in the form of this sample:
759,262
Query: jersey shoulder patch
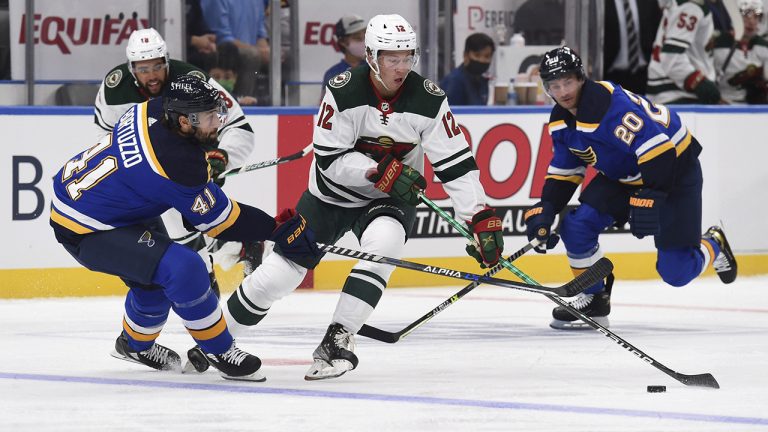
178,68
340,80
432,88
114,78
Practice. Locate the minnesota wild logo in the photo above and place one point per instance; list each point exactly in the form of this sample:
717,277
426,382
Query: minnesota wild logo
340,80
588,155
378,147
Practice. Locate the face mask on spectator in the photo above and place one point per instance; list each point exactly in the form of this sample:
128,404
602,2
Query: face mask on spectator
356,48
477,68
228,84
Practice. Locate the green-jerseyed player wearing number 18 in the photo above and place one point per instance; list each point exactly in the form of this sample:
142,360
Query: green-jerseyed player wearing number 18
373,129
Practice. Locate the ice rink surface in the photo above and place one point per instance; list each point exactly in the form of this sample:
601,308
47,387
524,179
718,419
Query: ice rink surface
488,362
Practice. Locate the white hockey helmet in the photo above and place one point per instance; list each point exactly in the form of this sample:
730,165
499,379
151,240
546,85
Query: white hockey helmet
746,6
390,33
145,44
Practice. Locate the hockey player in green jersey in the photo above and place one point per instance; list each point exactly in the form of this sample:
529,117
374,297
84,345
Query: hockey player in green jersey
146,75
373,129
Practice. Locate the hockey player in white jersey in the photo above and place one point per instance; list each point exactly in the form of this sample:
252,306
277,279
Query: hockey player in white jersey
373,129
741,64
144,76
682,69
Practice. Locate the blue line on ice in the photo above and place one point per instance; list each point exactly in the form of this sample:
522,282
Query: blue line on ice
259,389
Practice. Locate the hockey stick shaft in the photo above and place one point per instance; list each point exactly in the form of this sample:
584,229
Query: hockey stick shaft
699,380
595,273
392,337
264,164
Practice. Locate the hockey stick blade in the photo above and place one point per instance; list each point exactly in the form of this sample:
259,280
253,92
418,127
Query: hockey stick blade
700,380
566,290
594,274
265,164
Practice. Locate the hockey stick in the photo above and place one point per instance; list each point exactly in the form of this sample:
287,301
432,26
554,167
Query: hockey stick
594,274
264,164
699,380
392,337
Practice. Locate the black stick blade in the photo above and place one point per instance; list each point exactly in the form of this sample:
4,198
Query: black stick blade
700,380
594,274
378,334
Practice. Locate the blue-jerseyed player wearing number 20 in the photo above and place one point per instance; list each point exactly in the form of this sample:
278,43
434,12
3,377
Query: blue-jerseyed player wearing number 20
648,174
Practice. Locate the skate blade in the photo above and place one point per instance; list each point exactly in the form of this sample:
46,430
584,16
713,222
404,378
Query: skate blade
321,370
578,324
254,377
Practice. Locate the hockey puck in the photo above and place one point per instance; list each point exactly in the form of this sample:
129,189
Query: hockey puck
657,389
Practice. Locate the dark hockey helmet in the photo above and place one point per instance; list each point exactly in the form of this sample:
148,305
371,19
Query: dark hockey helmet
560,62
190,96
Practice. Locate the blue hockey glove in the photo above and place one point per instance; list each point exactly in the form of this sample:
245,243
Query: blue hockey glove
398,180
486,228
293,237
538,225
644,212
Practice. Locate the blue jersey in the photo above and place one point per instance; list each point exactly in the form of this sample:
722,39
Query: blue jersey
621,135
136,173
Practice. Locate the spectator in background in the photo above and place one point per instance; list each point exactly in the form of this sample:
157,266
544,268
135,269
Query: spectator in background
468,84
741,63
242,23
682,70
542,22
224,71
201,42
350,39
630,27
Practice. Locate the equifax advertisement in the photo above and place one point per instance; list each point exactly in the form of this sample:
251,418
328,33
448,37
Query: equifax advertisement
511,146
83,42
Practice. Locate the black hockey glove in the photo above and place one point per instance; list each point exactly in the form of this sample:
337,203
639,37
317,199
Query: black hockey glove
398,180
538,225
293,237
644,212
217,159
486,228
705,90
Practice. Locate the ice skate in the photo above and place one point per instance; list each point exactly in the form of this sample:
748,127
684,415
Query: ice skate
596,306
334,356
725,262
233,364
157,357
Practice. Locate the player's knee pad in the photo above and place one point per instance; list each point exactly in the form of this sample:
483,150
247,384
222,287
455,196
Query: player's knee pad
383,236
679,266
182,274
581,227
275,278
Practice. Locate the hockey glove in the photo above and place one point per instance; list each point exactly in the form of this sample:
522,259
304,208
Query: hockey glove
705,90
538,225
644,212
293,237
398,180
486,228
217,160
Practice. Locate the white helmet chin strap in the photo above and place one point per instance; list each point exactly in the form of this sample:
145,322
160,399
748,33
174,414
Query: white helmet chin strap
376,71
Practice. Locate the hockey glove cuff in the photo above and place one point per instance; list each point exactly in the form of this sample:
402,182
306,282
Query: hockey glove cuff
486,228
644,212
398,180
217,160
538,225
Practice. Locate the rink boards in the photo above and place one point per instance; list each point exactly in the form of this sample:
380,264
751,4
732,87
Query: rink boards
512,149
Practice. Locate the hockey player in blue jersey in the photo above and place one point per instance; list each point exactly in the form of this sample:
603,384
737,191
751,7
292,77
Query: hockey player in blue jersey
648,175
105,209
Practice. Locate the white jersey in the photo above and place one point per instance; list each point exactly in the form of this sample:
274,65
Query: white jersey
356,128
737,63
682,47
119,92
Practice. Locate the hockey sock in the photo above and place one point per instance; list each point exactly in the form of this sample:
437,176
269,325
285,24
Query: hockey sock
710,250
367,280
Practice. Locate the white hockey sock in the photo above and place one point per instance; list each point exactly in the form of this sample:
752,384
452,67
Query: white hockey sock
275,278
366,282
